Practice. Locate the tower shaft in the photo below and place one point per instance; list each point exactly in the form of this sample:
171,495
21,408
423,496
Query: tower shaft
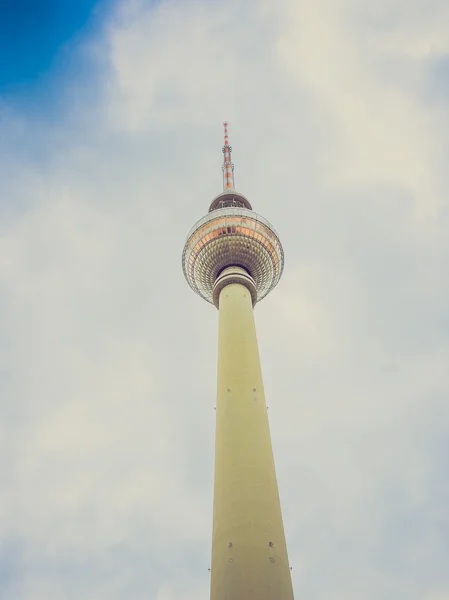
249,554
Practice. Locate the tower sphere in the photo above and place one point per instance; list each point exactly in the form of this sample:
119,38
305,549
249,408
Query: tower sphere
232,234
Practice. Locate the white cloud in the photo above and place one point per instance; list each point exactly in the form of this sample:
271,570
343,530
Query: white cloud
367,72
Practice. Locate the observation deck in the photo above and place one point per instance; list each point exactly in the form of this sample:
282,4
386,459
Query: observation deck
232,236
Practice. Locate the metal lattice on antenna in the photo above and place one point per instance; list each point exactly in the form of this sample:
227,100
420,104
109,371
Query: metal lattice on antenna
228,167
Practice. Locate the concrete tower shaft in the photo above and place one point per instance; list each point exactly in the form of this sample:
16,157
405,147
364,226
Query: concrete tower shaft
249,554
233,258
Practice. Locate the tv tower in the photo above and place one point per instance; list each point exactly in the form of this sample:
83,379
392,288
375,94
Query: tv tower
233,258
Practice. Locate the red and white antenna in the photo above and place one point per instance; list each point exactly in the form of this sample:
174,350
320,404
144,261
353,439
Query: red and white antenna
228,167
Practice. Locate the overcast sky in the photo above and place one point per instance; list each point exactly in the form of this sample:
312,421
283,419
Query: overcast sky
110,149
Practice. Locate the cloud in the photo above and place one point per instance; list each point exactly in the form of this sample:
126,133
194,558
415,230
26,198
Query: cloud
108,360
368,70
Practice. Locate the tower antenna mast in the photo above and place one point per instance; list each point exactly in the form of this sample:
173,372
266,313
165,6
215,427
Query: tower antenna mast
228,166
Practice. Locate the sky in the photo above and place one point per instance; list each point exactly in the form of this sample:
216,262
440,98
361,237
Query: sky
110,149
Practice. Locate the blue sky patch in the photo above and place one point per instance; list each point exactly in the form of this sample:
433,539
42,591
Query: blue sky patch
32,32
